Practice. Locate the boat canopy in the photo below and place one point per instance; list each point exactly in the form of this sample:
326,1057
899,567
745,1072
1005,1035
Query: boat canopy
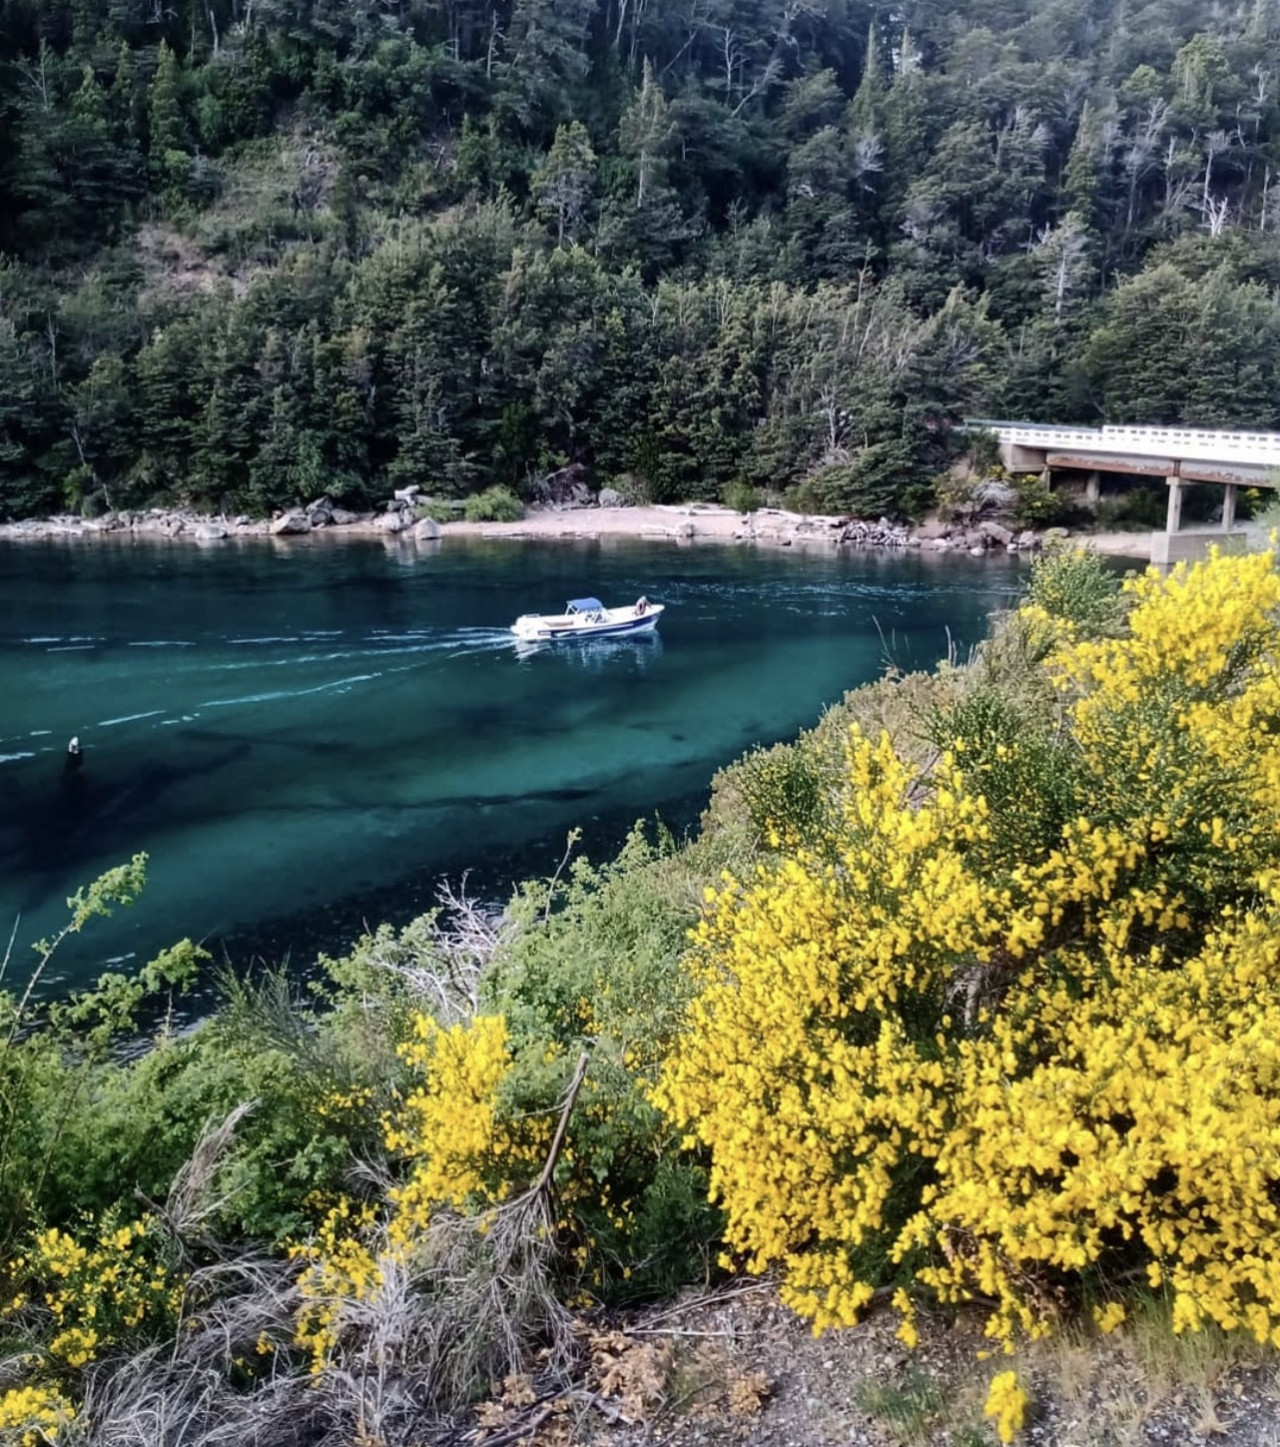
584,605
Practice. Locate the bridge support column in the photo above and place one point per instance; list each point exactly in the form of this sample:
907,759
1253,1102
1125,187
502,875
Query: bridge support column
1229,507
1173,517
1093,489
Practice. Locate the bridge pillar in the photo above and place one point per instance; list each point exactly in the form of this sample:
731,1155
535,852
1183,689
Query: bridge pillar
1229,507
1093,488
1173,517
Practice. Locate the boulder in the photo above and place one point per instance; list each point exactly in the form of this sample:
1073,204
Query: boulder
1001,536
341,518
209,532
686,530
407,494
290,522
320,512
1028,541
930,531
426,531
391,522
566,487
610,497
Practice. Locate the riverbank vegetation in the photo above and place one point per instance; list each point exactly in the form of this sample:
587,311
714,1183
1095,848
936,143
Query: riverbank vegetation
253,254
960,1008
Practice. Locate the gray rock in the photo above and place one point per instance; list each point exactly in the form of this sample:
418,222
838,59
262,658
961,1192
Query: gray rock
209,532
610,497
391,522
1028,541
341,518
566,487
931,531
426,531
290,522
1001,536
407,494
686,530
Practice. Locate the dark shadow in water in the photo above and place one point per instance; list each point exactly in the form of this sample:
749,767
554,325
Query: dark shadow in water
334,926
84,804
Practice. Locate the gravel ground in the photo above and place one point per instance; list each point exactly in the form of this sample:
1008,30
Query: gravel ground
738,1368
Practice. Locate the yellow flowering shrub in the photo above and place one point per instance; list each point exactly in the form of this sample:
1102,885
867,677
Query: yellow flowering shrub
1007,1403
340,1265
463,1153
97,1287
33,1416
942,1051
463,1147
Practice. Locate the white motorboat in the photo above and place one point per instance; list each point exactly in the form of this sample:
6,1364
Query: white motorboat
588,618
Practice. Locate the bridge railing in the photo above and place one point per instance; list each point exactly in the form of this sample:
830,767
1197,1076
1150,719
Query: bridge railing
1198,444
1195,444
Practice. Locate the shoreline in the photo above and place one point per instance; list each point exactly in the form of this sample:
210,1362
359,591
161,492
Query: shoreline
684,523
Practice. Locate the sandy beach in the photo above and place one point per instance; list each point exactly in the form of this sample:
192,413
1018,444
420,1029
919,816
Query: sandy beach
683,523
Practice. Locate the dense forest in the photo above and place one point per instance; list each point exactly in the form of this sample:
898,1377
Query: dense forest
258,250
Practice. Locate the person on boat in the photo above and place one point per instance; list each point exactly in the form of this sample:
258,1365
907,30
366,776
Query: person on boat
642,607
75,755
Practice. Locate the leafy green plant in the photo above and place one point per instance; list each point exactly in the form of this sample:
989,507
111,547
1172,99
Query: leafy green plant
1036,505
54,1056
740,496
982,448
594,964
494,505
787,790
1075,586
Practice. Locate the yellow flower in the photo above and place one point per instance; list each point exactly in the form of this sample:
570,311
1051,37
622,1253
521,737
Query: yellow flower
1007,1403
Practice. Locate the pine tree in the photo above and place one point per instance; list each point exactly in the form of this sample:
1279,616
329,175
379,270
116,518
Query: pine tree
169,158
866,109
645,134
563,184
1080,177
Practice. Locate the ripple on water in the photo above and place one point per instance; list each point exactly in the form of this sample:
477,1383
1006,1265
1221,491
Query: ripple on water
302,743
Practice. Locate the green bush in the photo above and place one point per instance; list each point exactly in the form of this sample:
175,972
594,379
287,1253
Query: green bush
740,496
594,964
983,451
494,505
786,789
1074,585
869,486
1037,505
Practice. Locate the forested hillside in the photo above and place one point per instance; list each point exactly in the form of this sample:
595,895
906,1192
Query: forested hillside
259,250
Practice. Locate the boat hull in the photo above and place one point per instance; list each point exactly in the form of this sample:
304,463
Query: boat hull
573,628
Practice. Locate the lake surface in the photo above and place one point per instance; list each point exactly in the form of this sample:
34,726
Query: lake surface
305,736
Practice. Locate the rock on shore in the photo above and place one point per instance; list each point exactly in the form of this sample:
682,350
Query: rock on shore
398,522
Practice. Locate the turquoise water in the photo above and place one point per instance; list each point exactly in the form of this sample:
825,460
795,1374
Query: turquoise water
304,737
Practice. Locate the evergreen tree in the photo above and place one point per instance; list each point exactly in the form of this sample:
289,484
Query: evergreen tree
563,184
168,155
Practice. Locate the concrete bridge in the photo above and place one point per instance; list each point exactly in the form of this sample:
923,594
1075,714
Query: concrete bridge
1180,455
